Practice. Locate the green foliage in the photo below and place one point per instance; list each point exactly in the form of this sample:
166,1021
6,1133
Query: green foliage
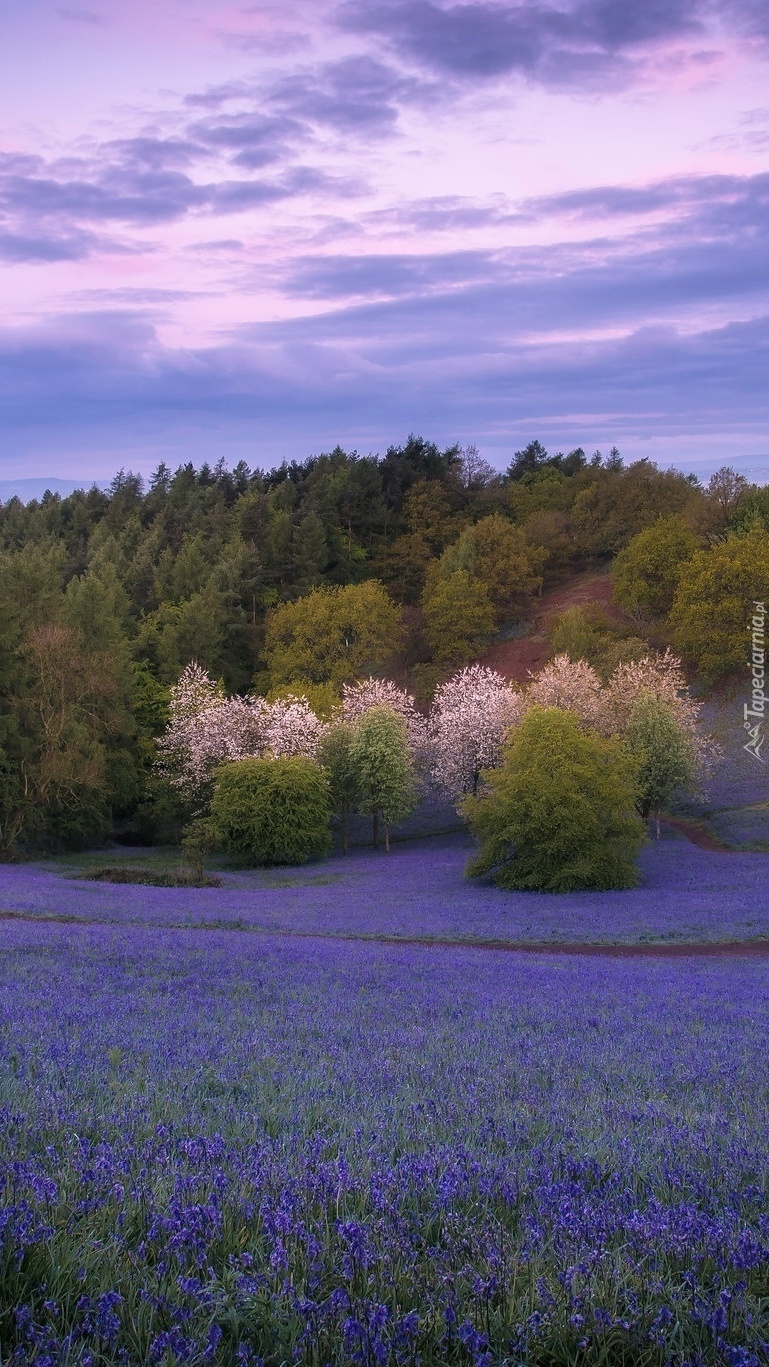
559,814
713,605
587,632
617,505
272,811
332,635
646,572
498,555
662,752
380,760
324,698
337,758
751,511
458,616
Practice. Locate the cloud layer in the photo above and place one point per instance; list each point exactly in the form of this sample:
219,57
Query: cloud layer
484,220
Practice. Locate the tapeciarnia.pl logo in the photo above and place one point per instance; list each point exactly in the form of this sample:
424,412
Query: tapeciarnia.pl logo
755,711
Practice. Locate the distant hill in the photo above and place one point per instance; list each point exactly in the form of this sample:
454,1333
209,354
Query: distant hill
27,489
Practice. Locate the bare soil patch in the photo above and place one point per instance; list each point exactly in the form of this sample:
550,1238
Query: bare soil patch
525,655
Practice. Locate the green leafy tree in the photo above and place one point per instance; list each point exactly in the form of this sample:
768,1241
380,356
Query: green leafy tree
752,510
559,814
713,604
497,553
332,635
337,757
458,616
646,572
380,757
618,504
663,753
272,811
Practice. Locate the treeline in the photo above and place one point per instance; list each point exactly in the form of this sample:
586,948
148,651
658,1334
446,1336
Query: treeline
106,596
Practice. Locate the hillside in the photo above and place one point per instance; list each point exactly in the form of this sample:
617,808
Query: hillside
516,659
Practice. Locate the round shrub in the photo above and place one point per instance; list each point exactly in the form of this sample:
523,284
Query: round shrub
559,814
272,811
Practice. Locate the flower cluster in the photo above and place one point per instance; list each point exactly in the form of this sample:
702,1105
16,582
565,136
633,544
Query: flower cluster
207,729
469,720
314,1151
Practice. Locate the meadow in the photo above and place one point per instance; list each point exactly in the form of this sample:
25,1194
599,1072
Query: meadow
685,894
226,1143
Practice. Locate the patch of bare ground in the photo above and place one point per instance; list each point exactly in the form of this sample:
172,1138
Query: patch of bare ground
517,659
700,835
730,949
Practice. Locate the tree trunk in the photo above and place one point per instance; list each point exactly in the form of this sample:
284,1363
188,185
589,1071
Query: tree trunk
387,838
376,828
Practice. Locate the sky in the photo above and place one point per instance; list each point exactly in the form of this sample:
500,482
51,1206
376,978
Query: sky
257,231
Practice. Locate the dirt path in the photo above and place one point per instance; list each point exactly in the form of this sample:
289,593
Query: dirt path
724,949
516,659
721,949
699,836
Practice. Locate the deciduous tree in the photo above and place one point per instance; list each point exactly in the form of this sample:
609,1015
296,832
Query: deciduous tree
713,604
646,572
332,635
470,717
663,752
559,814
379,752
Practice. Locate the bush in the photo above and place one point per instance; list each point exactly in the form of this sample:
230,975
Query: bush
559,814
272,811
588,633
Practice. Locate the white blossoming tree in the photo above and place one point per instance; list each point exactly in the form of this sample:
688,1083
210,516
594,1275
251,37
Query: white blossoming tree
573,686
207,729
359,698
470,718
661,676
612,710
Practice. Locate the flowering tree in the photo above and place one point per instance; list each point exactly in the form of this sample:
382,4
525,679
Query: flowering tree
359,698
194,693
207,729
292,728
662,677
573,686
470,717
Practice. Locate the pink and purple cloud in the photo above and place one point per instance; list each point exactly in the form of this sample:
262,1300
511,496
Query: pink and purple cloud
228,232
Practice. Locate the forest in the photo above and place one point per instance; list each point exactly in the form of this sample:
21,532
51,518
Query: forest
308,577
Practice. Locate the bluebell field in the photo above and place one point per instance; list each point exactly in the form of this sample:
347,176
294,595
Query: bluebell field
227,1147
685,893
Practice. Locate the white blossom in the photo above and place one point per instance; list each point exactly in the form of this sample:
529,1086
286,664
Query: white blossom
292,728
360,697
662,676
207,729
574,686
470,718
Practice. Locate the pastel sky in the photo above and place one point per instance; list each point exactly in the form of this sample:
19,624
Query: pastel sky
256,231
